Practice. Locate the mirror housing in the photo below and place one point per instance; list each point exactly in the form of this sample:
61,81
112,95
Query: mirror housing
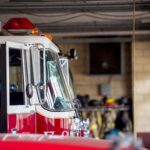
72,54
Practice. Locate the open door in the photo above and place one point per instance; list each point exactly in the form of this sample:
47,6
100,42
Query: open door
18,115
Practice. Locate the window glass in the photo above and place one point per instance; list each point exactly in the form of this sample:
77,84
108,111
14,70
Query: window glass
56,83
16,77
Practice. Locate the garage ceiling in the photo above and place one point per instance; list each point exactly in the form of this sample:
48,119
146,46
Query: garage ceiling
81,17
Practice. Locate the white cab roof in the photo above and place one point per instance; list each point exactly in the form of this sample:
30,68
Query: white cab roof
30,40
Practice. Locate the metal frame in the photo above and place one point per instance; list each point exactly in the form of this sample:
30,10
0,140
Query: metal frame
3,108
13,109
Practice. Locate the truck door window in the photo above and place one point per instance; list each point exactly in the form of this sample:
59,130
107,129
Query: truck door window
16,77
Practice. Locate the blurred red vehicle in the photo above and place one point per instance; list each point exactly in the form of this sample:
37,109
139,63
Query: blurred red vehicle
46,142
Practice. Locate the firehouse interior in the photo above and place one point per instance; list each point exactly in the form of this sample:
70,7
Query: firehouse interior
76,68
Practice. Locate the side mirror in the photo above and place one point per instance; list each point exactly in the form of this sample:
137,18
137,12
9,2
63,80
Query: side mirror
29,90
72,54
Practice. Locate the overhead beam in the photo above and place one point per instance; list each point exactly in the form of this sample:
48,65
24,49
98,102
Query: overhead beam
81,28
100,33
79,40
77,1
45,7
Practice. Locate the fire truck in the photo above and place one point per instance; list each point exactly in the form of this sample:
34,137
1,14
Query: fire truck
35,93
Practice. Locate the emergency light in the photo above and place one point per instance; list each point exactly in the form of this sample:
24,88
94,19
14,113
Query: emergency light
20,25
49,36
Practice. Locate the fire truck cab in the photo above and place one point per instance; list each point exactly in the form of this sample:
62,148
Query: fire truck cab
35,96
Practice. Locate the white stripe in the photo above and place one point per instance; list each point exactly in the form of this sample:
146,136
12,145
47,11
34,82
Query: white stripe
51,114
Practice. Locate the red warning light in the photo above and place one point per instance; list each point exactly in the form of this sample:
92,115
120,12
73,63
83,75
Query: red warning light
18,23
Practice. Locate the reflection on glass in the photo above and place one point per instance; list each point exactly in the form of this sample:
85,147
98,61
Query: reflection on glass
68,76
15,77
57,97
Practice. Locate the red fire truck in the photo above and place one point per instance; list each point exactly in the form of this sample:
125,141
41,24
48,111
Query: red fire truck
46,142
35,96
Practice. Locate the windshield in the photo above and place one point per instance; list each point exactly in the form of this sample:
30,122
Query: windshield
67,75
57,96
48,73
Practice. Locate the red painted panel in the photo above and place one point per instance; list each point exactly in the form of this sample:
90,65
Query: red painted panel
46,143
56,125
23,123
9,142
46,146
